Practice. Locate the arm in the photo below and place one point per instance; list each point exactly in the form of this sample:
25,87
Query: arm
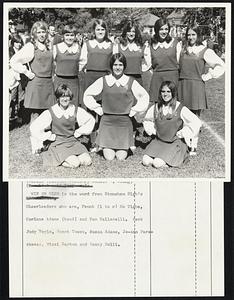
85,121
37,130
83,57
191,126
146,63
94,90
149,121
178,50
216,64
142,98
23,56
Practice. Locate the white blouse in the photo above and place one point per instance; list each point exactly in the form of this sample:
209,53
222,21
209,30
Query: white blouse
96,88
191,123
164,45
37,129
84,50
215,63
24,56
63,47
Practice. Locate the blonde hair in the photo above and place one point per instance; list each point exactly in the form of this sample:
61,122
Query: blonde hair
39,25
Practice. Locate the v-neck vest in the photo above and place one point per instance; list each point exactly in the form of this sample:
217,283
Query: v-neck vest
42,63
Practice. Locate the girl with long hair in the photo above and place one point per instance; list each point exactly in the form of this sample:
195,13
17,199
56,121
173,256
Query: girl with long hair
39,92
164,54
174,128
194,58
115,134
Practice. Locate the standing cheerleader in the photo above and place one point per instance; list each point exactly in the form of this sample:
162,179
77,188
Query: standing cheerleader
118,90
164,53
39,93
194,56
66,56
64,149
96,53
132,48
175,127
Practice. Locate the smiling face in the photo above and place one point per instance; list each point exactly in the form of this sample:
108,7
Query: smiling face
69,38
166,93
100,33
41,35
17,45
64,101
163,32
118,68
192,37
131,34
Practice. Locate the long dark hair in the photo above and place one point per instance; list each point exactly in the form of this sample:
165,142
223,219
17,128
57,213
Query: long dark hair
128,26
158,24
199,40
172,103
104,25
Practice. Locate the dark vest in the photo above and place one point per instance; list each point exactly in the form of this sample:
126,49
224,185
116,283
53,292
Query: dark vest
42,63
134,61
117,100
67,64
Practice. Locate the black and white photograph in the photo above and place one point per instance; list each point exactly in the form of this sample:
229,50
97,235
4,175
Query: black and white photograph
118,91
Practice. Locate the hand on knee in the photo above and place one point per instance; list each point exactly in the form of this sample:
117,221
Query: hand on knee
158,163
147,160
121,154
109,154
73,161
85,159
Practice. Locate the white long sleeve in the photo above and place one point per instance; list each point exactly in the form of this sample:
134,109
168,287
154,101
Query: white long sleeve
191,121
216,64
146,63
92,91
23,56
85,121
83,56
141,96
148,122
178,50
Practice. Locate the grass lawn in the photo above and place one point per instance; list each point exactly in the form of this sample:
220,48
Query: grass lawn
208,163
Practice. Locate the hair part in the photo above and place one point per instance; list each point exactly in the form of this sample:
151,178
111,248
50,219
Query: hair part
128,26
63,90
102,23
158,24
120,57
69,29
39,25
172,103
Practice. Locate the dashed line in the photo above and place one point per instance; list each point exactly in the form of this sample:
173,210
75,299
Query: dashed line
215,134
195,237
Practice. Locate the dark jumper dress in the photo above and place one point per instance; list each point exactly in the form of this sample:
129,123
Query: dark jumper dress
116,130
166,145
65,144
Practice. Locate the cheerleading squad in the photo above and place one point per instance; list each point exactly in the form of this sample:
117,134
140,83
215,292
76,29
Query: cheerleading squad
111,104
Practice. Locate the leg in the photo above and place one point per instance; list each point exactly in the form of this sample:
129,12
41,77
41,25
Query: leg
71,161
85,159
109,154
158,163
121,154
147,160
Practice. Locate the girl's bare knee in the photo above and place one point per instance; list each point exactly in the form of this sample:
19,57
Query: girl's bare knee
121,154
147,160
85,159
73,161
158,163
109,154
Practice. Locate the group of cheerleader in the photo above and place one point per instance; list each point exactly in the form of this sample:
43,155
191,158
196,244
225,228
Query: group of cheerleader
112,95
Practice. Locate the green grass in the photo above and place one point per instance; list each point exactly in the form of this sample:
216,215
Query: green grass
208,163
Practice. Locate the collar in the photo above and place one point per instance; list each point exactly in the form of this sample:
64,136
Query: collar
94,43
195,49
111,80
59,112
63,47
130,47
163,44
41,46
